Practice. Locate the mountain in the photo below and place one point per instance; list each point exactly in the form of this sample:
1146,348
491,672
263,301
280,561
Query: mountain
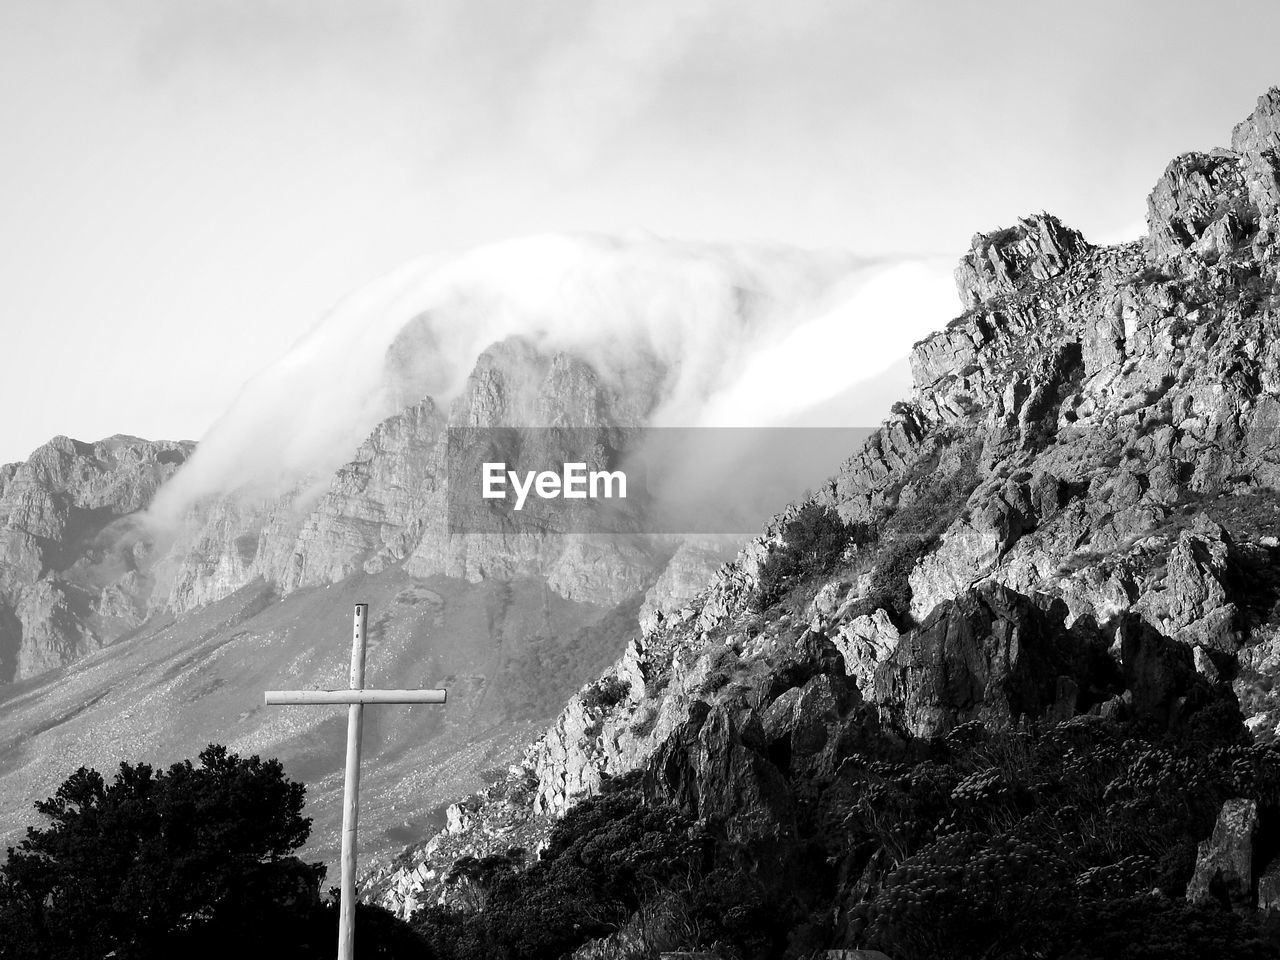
150,591
189,624
1004,686
76,567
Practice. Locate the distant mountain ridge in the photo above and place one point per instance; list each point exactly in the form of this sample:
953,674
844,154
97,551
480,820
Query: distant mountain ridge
256,499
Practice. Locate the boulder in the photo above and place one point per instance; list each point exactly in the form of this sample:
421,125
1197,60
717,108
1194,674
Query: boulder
990,654
803,726
968,551
1224,862
718,768
1194,606
1158,672
865,642
1269,888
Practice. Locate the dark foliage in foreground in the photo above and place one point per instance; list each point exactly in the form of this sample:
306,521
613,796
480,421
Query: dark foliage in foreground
603,860
1071,841
193,861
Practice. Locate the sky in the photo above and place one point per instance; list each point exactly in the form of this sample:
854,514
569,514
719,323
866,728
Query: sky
188,188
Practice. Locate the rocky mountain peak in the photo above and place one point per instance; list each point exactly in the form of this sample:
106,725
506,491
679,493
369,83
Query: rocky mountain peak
1004,261
1260,131
1209,204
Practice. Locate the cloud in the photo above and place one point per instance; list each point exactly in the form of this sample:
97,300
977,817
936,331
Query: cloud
873,318
607,72
744,333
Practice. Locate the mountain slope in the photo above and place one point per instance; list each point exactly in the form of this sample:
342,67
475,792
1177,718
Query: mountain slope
134,630
508,652
1063,549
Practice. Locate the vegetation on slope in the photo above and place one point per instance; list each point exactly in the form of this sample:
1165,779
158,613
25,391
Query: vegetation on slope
1074,840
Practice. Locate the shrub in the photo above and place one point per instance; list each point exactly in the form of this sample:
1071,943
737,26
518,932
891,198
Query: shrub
812,541
605,693
646,721
1005,843
192,861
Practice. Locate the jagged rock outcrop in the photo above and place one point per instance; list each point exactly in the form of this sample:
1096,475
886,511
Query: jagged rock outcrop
1192,606
988,655
692,565
1038,248
717,767
1199,204
1213,203
1224,862
1257,141
865,642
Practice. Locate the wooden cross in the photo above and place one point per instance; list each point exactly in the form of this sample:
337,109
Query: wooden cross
356,698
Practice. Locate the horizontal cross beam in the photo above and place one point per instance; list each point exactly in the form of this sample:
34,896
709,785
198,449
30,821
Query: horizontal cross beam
354,696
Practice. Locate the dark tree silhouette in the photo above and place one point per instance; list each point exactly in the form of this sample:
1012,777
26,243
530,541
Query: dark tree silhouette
193,861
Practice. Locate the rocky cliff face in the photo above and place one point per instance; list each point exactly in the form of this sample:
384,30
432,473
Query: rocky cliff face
1075,514
77,568
388,505
83,562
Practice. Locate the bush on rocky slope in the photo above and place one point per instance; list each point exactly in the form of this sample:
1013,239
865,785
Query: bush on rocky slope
812,542
602,861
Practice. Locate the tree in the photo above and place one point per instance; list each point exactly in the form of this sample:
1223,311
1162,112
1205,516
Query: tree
151,863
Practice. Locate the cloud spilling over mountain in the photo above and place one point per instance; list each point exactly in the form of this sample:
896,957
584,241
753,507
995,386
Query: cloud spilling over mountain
705,315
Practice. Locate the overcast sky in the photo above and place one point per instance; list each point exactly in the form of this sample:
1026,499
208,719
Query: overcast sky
188,185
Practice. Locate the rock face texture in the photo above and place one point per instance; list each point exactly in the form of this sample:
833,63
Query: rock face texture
77,567
1038,248
989,655
82,562
1224,863
1074,516
389,504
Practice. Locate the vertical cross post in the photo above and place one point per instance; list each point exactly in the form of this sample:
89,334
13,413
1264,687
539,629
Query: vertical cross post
355,697
351,791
